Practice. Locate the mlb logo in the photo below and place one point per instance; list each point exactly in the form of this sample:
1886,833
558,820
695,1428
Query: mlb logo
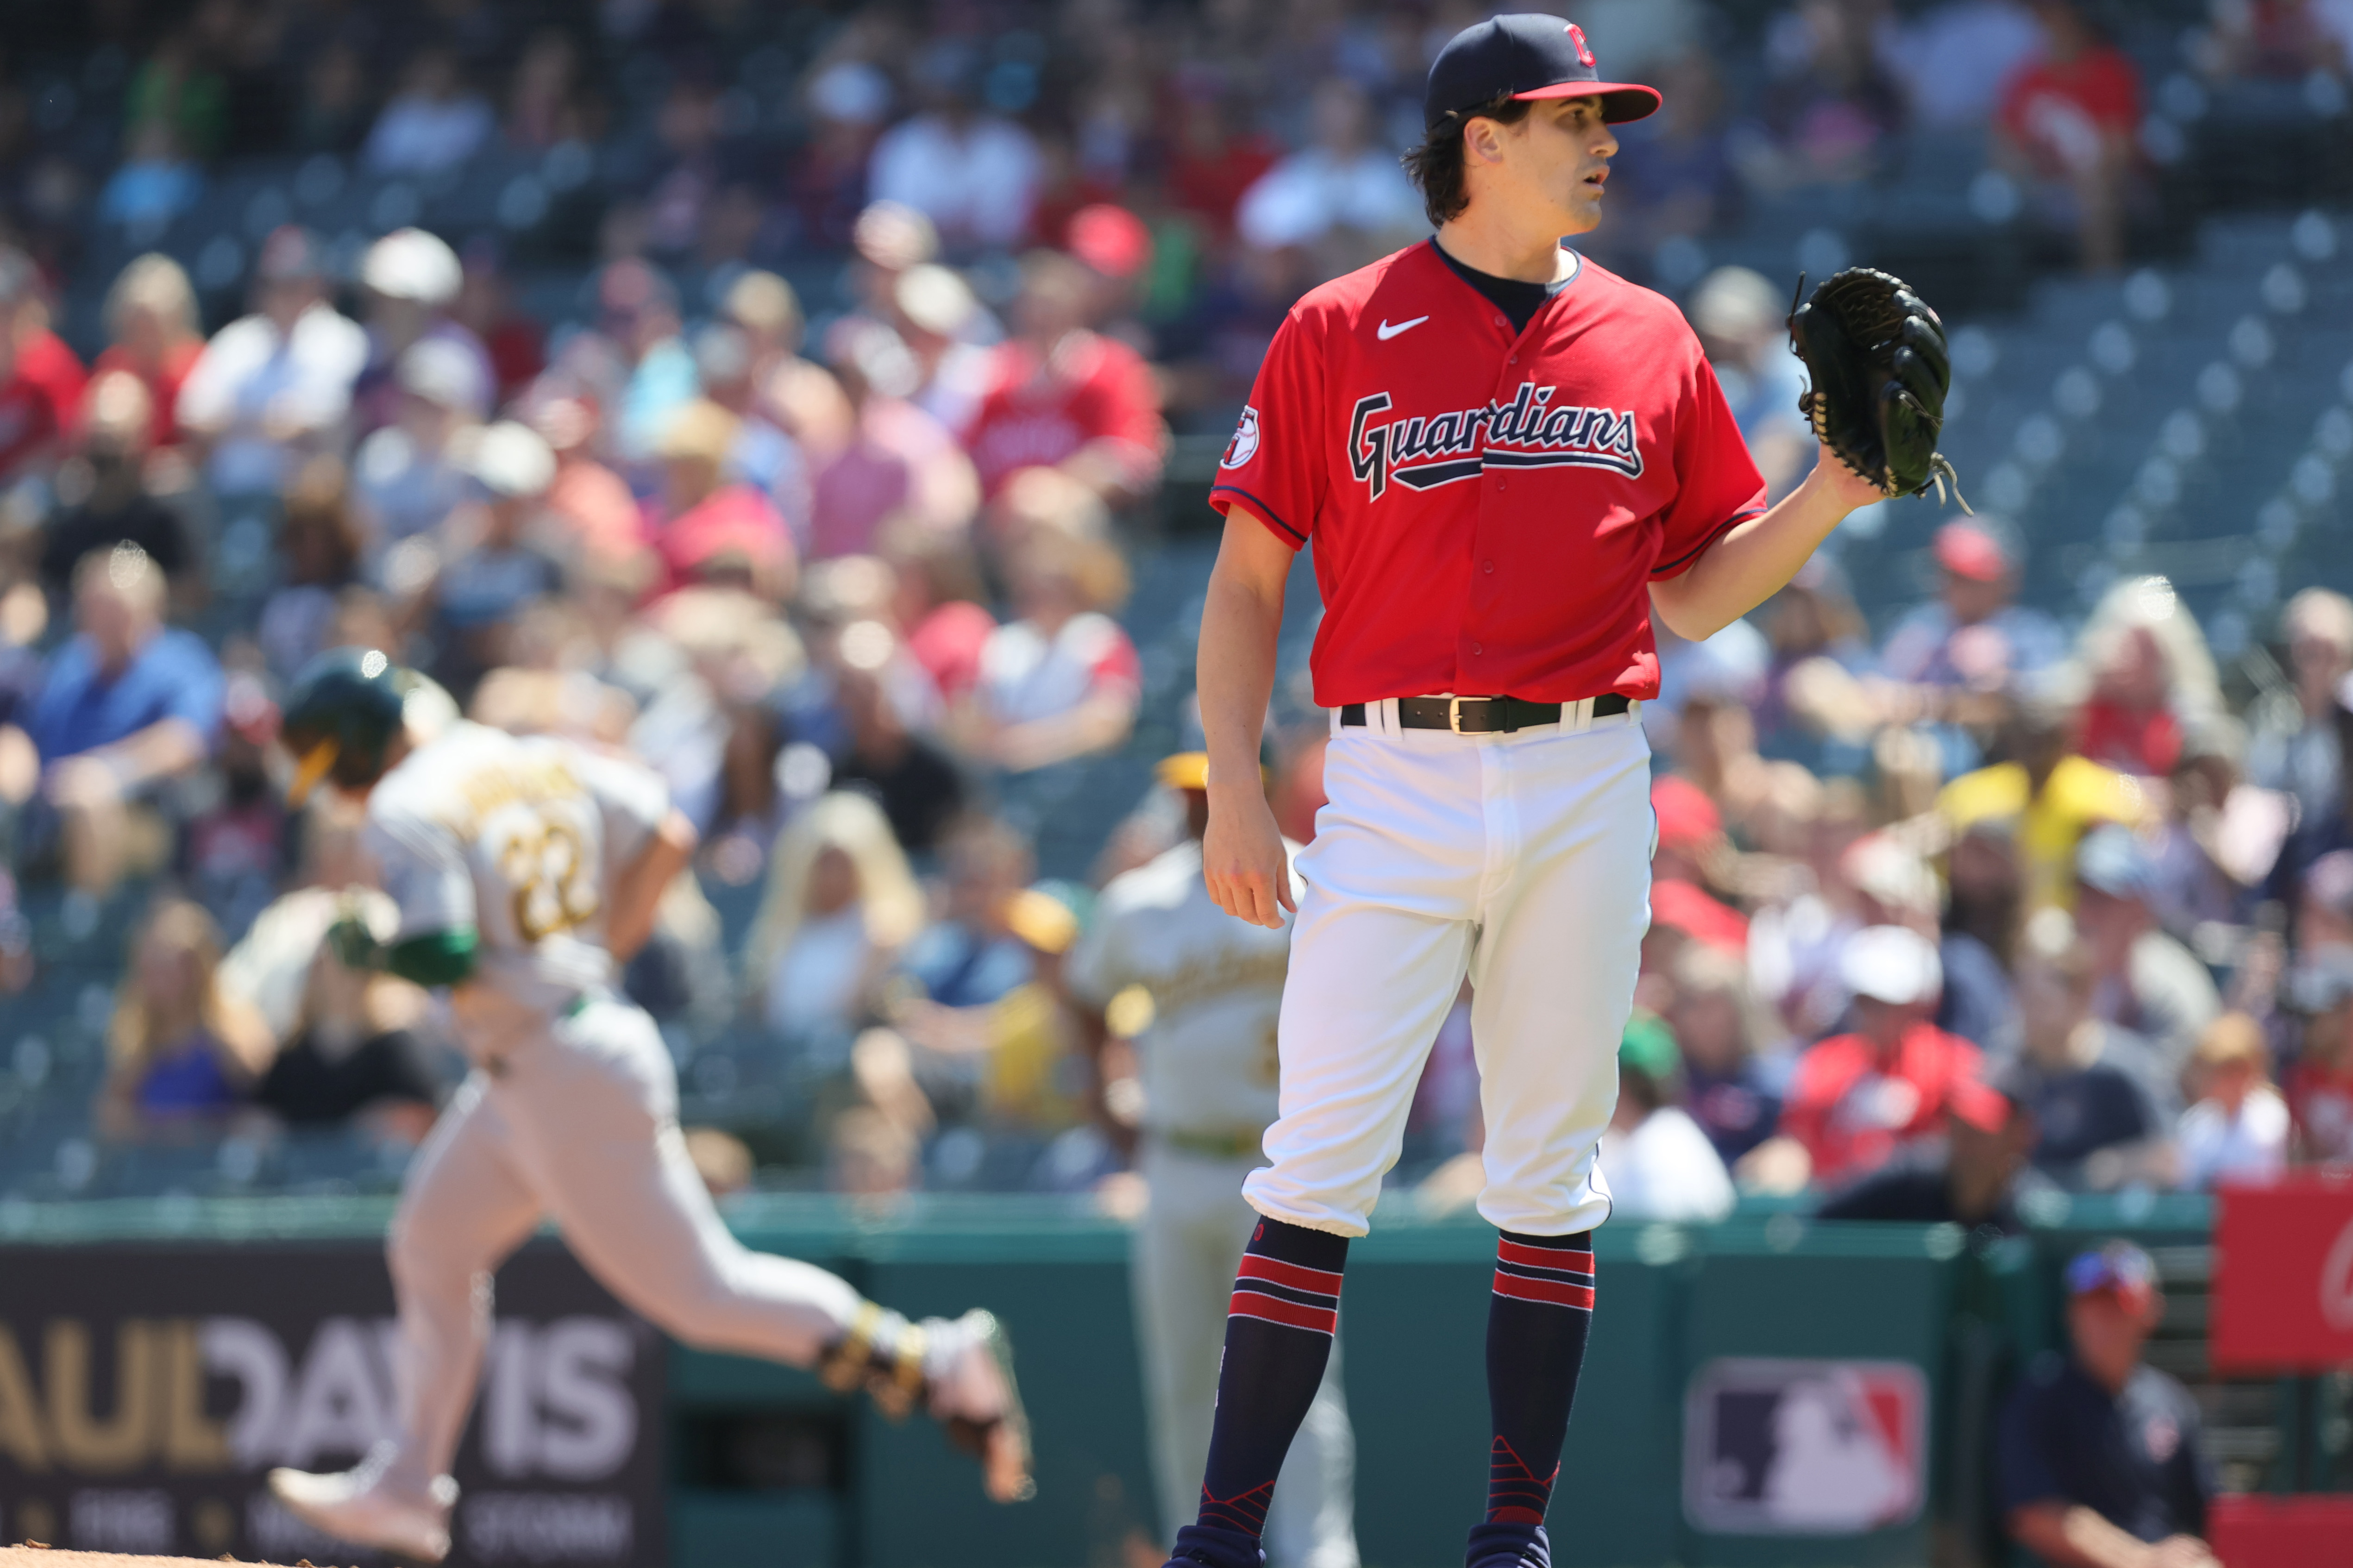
1804,1448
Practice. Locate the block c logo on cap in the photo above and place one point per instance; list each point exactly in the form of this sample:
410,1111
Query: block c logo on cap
1584,54
1244,446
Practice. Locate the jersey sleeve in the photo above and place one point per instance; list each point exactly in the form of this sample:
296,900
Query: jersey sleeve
424,871
2196,1480
1717,481
1097,970
1113,668
197,688
1806,1112
630,798
2022,1457
1274,464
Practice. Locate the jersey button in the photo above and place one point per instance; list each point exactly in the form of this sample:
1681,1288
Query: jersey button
1502,484
1501,322
1512,359
1489,567
1476,650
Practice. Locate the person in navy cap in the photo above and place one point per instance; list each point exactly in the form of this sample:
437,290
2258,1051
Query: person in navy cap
2099,1462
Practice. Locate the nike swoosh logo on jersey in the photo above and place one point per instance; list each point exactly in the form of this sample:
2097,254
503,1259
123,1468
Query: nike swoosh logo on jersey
1384,332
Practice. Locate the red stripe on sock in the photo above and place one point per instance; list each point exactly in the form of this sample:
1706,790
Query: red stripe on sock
1290,1314
1577,1259
1558,1294
1256,1266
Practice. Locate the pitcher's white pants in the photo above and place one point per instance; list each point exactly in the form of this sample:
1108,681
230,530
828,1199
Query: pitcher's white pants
1524,859
1186,1251
581,1126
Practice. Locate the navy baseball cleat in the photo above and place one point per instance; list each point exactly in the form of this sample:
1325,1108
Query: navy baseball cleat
1508,1546
1211,1546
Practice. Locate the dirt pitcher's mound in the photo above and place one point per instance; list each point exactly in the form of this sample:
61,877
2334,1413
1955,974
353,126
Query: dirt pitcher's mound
51,1557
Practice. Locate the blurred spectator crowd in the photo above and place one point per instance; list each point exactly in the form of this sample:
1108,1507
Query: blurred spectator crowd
824,488
1988,909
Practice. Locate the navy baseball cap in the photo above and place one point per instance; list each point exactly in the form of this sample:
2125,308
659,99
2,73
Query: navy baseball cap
1525,55
2119,1267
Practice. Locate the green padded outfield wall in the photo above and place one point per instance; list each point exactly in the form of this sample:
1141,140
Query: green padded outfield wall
1413,1325
1813,1360
1743,1380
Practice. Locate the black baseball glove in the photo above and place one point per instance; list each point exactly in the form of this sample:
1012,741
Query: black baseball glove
1876,354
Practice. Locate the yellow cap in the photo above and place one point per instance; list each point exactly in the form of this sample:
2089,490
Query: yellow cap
1185,770
1041,920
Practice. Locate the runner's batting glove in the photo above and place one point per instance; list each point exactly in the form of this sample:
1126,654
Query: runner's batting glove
1876,355
353,944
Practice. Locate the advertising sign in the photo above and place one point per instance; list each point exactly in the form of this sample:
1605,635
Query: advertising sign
145,1391
1804,1448
2283,1275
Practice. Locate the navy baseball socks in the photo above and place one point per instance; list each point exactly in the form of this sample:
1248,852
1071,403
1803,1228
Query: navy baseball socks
1278,1331
1536,1325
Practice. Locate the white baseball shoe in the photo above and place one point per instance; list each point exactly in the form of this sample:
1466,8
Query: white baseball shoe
971,1392
364,1507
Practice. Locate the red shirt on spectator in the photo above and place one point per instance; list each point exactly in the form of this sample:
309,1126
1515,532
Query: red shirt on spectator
1210,183
595,505
2063,110
1035,415
163,388
735,520
1850,1110
2320,1100
2145,744
38,402
948,642
1687,907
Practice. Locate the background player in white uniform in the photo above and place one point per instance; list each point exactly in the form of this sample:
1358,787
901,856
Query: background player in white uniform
522,870
1209,1071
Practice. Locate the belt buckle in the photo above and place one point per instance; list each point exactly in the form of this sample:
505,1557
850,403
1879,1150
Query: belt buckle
1454,713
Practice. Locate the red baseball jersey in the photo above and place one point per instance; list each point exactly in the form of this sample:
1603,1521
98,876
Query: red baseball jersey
1094,388
1488,506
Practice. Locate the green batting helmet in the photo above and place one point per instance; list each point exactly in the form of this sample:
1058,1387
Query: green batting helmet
340,719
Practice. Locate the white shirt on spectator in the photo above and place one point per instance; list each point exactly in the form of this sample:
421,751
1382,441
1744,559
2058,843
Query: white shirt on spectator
1953,61
2249,1146
813,983
1025,676
2335,19
1315,191
1666,1170
251,376
977,183
419,135
403,490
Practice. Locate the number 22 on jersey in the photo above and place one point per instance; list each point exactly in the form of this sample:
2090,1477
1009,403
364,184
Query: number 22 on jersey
547,864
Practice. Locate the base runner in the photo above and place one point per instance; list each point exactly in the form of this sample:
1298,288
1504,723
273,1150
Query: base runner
1509,461
1207,1067
524,872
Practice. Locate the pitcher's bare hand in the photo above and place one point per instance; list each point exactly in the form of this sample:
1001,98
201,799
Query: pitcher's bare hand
1243,860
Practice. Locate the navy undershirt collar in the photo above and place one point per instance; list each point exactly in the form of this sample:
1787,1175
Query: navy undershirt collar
1517,300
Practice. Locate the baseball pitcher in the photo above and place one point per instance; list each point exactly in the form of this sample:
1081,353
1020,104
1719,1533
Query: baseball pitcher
525,872
1208,1066
1509,460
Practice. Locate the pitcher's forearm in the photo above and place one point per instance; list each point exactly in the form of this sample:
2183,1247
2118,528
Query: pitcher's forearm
1754,560
1241,625
1236,676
